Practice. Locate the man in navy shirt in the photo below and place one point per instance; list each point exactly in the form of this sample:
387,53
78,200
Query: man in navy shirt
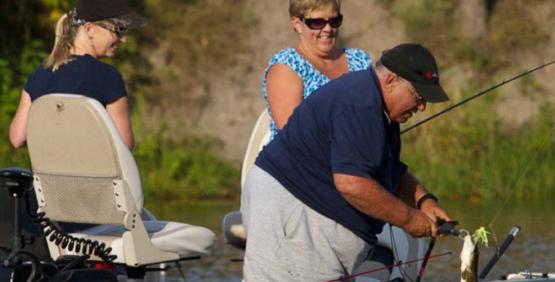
321,191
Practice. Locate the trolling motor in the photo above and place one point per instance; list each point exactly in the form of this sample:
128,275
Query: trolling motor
18,181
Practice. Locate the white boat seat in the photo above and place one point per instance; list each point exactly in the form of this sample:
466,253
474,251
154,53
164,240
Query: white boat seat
260,136
184,239
232,226
84,173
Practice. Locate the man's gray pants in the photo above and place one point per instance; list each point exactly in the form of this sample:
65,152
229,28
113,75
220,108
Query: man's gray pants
288,241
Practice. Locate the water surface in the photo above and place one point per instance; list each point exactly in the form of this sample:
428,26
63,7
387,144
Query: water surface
533,249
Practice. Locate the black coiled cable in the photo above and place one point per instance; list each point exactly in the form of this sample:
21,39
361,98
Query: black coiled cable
66,241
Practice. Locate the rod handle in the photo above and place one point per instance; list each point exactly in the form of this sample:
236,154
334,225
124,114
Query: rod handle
508,240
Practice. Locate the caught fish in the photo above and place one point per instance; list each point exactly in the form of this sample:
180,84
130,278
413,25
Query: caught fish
470,253
469,257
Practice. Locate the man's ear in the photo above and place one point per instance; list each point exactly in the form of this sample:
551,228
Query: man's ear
390,80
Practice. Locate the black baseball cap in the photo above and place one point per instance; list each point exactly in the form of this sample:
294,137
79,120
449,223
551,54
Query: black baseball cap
417,65
96,10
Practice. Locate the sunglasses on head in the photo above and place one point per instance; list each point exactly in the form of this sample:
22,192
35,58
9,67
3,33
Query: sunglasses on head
319,23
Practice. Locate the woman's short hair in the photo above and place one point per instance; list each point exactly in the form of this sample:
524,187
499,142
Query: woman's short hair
298,8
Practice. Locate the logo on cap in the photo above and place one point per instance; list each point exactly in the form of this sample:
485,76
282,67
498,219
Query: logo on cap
430,74
417,65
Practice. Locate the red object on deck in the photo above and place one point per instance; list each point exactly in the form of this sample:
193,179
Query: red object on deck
108,266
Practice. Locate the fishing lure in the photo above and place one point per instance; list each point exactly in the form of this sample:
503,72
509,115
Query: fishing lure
480,236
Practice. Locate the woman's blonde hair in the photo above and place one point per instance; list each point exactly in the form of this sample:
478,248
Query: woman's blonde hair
65,37
298,8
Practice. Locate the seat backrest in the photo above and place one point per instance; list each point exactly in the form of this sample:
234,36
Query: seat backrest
260,136
79,161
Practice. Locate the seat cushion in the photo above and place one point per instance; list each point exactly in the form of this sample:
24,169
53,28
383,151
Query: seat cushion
180,238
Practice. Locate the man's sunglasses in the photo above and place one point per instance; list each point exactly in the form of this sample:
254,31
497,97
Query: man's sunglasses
319,23
419,99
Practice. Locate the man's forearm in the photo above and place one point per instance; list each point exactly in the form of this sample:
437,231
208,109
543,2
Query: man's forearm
371,198
410,189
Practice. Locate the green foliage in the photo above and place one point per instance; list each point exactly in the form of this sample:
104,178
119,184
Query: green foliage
184,171
471,155
200,39
515,28
511,27
431,22
181,170
466,154
16,63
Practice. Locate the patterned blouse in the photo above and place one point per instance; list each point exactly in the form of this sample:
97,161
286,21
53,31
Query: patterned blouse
312,78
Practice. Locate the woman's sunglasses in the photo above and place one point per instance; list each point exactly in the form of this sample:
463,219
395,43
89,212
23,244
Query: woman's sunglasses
118,30
319,23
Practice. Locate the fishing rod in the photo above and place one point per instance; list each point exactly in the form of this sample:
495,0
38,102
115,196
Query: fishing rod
477,95
444,228
450,228
508,240
426,258
388,267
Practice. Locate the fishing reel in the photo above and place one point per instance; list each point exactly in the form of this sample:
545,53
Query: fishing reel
448,228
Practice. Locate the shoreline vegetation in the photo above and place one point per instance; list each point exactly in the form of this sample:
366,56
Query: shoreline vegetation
485,150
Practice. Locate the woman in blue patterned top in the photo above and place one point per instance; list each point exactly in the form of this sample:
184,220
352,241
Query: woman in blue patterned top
294,73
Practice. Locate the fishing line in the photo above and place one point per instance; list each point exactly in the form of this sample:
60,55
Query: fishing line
517,181
401,268
396,264
178,266
448,109
525,168
464,101
519,178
